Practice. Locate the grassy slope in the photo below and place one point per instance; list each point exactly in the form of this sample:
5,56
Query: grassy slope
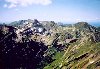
78,55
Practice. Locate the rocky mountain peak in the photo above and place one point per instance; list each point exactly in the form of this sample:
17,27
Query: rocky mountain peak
82,25
35,21
85,27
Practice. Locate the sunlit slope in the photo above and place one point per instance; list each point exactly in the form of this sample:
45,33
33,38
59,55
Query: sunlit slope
79,55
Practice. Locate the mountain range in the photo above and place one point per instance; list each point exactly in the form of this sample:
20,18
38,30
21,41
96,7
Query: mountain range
33,44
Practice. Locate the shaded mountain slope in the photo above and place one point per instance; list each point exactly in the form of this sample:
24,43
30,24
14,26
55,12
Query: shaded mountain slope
26,54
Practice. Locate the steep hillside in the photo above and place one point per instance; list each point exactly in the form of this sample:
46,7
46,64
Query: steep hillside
82,54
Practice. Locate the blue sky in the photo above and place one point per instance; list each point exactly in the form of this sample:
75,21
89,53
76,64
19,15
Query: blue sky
55,10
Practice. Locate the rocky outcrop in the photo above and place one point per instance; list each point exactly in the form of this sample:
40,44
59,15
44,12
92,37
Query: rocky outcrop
95,37
88,30
28,27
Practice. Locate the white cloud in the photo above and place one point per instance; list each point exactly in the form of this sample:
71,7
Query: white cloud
24,3
12,5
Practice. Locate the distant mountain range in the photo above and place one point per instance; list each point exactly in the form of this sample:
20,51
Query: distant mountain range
94,23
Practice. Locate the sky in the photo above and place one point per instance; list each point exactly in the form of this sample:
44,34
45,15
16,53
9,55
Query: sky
50,10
